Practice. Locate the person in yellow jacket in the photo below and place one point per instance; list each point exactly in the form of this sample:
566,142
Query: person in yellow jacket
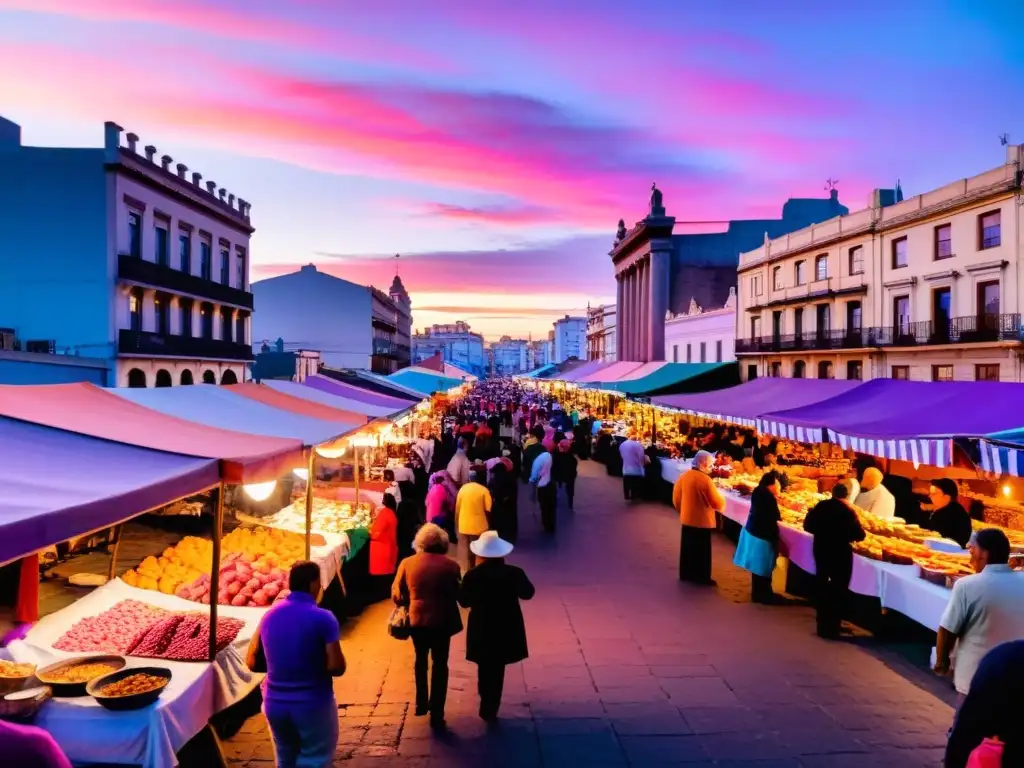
697,499
472,507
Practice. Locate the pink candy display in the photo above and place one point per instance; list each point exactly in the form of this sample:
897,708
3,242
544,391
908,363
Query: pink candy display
136,629
241,584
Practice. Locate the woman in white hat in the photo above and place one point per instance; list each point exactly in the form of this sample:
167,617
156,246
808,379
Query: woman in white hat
496,635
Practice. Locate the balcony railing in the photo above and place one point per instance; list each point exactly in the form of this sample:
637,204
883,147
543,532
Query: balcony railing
137,270
167,345
958,330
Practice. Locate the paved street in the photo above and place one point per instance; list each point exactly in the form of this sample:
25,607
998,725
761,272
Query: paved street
627,666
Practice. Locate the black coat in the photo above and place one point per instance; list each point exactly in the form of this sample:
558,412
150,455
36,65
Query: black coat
764,518
951,522
564,467
496,632
835,527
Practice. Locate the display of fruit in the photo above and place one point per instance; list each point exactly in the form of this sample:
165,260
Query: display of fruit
185,637
244,581
111,631
329,516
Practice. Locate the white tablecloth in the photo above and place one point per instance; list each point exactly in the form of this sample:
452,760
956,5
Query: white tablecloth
671,469
898,587
88,733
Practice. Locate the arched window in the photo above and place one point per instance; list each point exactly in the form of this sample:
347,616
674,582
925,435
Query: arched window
228,377
163,378
209,377
136,379
776,370
186,378
799,369
825,370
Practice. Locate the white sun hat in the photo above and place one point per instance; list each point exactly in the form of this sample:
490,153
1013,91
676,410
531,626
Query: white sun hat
490,545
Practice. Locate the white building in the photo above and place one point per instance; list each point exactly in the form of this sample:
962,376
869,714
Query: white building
570,339
509,356
702,335
457,344
540,353
601,333
123,256
352,326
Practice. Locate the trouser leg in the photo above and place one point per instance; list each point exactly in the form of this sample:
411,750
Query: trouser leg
439,650
422,646
490,682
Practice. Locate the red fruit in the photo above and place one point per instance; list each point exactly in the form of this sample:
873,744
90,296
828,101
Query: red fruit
238,600
254,582
234,588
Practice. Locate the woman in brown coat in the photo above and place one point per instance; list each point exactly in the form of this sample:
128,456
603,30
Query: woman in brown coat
428,583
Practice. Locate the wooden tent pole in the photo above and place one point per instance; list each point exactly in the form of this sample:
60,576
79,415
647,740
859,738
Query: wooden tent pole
309,499
218,530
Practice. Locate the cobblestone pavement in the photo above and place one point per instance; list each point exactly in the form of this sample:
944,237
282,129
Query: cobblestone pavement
629,667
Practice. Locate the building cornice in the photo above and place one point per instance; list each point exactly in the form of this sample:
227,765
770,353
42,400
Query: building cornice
646,229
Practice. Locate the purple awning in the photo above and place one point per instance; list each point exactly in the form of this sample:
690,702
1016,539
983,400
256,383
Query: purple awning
341,389
745,403
55,485
584,371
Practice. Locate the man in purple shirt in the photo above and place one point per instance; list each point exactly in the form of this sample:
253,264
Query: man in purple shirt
303,654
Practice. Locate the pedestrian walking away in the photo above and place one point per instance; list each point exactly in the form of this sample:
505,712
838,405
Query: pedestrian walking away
297,645
547,493
565,468
428,584
496,636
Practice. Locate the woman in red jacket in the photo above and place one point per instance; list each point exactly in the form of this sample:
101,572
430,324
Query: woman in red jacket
384,547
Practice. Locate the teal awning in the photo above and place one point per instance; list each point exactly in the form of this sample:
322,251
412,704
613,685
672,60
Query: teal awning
423,382
668,377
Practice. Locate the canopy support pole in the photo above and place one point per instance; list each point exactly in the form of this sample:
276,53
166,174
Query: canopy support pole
309,499
356,449
118,530
218,529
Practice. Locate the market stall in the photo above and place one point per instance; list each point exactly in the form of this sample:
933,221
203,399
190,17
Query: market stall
424,381
333,401
334,387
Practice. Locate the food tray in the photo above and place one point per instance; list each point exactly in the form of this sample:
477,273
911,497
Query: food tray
24,705
47,675
134,701
937,577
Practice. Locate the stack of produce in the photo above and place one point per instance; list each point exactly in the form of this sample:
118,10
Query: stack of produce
243,582
331,517
111,631
184,637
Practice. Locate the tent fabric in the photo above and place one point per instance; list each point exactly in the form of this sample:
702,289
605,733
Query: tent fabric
55,484
315,395
433,363
538,372
90,410
663,376
381,404
744,403
454,372
352,392
642,370
908,420
218,407
613,372
1002,459
578,374
390,384
424,382
293,404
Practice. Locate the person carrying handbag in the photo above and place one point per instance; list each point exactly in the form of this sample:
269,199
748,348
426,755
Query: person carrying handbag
428,585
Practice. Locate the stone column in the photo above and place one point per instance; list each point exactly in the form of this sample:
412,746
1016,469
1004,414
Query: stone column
618,316
645,327
630,349
659,287
638,314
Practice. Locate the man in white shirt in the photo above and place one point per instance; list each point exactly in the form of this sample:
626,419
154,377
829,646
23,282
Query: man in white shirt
540,476
983,611
633,461
458,467
875,497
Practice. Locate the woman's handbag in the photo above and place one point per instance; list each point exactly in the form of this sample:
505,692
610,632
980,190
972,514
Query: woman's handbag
988,754
398,624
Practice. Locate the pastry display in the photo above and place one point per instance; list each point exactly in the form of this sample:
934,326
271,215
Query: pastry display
80,673
14,670
331,517
133,684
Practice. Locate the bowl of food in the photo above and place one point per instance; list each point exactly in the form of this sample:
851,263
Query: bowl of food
13,675
24,704
69,677
129,688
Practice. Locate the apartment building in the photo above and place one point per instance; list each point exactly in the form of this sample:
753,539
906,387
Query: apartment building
601,332
570,339
702,335
145,266
508,356
456,343
927,288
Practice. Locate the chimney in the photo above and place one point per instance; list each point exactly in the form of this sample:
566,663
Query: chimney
197,178
150,152
133,139
222,193
231,201
111,140
165,162
182,168
243,207
211,187
833,195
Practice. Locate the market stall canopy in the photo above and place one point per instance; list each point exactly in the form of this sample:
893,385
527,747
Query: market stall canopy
538,373
581,373
315,395
674,376
90,410
293,404
437,364
218,407
613,372
387,384
1003,452
353,392
744,403
55,485
907,420
423,381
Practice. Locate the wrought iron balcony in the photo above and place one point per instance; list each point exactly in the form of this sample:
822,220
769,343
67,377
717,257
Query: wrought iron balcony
167,345
136,270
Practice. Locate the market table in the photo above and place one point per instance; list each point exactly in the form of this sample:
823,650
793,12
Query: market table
151,736
671,469
898,587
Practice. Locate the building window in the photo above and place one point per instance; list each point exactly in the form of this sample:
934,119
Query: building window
800,272
136,379
205,261
825,370
901,316
824,317
160,313
206,320
942,301
135,311
986,372
942,373
225,266
185,306
899,253
689,353
853,317
943,241
777,279
185,251
135,235
703,351
901,372
988,303
857,260
718,351
163,244
751,371
854,370
798,322
989,230
776,370
756,289
755,327
240,267
675,353
821,267
226,328
799,369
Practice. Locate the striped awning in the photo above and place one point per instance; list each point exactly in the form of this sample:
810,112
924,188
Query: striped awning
1001,459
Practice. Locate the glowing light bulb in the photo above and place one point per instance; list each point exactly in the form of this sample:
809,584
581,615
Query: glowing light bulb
301,472
1006,490
260,491
330,452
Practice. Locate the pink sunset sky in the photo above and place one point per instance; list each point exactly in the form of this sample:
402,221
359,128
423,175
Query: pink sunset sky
494,145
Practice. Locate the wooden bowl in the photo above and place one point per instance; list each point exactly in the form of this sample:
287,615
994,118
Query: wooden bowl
50,675
132,701
9,684
24,705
